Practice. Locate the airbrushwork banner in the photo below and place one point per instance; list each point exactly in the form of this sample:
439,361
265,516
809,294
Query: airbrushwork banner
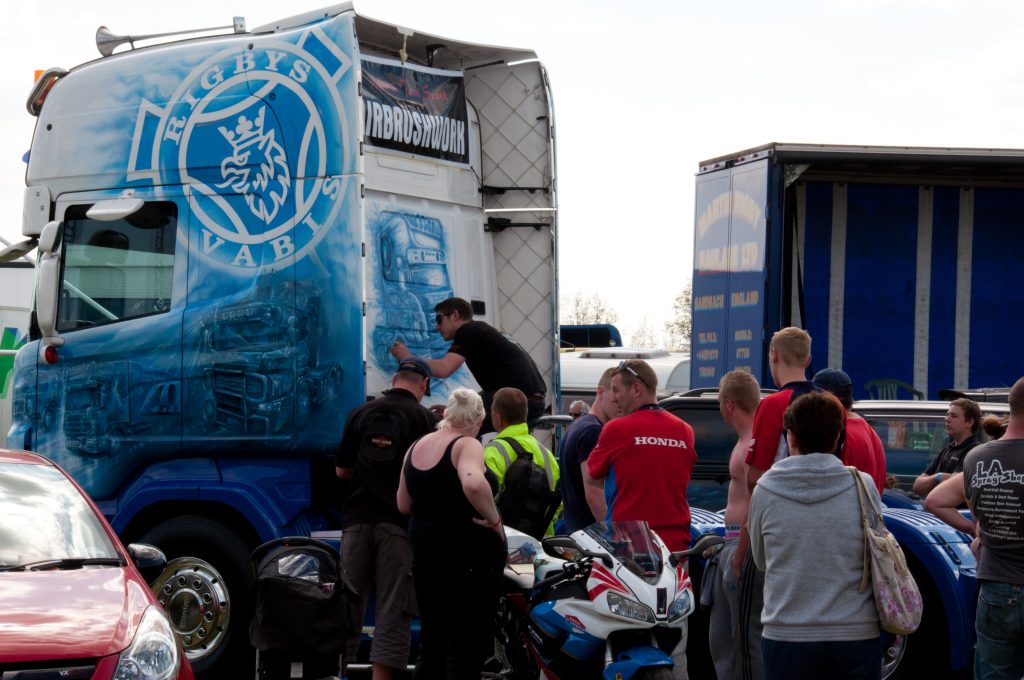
416,109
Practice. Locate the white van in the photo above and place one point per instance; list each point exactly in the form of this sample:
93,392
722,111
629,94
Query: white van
580,371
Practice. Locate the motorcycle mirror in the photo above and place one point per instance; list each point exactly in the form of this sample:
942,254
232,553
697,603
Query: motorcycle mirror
553,545
712,542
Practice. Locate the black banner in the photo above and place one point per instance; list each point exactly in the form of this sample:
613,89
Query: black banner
416,109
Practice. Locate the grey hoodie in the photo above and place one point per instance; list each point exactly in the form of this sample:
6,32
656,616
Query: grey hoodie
806,535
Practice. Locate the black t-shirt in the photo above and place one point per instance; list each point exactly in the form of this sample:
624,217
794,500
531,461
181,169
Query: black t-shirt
376,437
951,458
497,361
994,488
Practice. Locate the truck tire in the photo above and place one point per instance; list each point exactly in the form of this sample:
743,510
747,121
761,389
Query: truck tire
205,591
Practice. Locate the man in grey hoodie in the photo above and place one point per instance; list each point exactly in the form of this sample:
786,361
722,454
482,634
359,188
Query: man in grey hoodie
806,535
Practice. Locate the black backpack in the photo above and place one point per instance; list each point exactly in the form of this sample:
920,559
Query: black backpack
527,503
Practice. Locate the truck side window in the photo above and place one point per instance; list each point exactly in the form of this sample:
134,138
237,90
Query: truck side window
116,270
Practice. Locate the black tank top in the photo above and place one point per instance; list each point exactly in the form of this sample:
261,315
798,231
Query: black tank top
442,516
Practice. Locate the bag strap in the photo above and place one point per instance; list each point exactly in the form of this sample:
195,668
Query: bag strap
520,452
858,483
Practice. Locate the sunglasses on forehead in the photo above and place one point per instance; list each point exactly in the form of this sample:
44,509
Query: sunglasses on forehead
623,366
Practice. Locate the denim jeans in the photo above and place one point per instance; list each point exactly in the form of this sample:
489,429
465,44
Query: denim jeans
1000,627
827,660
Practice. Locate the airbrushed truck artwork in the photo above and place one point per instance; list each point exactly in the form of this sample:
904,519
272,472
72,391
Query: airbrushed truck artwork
231,232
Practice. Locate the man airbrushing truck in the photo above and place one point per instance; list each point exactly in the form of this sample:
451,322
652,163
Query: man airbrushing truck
223,226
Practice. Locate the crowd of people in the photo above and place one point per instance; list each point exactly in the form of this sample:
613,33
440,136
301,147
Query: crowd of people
784,593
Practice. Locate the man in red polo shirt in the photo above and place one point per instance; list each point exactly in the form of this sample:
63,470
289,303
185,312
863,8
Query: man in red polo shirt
861,446
644,461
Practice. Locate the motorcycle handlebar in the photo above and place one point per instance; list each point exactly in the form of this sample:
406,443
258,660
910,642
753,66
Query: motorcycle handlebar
569,571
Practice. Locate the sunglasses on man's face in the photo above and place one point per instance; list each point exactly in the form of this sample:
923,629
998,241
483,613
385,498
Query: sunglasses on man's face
439,317
576,415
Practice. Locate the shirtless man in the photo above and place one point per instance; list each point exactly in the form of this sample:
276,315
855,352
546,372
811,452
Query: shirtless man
736,586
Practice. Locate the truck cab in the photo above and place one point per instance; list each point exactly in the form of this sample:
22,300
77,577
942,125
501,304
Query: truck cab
231,232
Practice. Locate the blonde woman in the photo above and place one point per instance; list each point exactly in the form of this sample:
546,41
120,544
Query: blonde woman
457,540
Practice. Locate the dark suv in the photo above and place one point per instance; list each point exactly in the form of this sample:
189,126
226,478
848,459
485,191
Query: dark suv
912,432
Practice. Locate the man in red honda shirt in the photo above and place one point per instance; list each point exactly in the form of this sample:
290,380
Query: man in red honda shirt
644,461
861,446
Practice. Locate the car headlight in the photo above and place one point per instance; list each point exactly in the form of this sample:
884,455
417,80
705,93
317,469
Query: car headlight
680,606
153,654
631,609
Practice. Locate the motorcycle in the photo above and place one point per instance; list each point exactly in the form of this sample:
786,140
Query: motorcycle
609,601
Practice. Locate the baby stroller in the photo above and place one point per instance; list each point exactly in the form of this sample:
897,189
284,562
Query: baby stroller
302,609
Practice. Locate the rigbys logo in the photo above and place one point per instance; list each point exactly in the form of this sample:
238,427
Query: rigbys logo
260,139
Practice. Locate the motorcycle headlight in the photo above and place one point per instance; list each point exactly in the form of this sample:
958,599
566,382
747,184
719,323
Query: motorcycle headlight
631,609
680,606
153,654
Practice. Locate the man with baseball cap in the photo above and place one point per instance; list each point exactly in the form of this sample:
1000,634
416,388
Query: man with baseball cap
861,447
375,548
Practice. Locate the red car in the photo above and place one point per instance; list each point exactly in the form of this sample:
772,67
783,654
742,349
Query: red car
73,600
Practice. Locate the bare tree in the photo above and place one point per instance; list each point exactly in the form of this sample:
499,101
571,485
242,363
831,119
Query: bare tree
677,330
589,310
643,336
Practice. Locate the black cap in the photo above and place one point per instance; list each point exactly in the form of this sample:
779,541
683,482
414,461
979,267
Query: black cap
418,366
832,379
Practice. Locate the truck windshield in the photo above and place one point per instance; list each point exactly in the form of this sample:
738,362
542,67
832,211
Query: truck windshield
116,270
251,335
82,398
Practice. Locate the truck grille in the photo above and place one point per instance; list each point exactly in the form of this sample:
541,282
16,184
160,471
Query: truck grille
230,383
75,425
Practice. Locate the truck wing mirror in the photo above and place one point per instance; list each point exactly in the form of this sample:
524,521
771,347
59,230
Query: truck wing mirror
49,239
48,283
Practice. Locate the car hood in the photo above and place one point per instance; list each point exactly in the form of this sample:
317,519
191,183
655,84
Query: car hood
78,613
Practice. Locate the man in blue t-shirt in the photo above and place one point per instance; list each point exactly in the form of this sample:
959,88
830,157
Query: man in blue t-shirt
573,453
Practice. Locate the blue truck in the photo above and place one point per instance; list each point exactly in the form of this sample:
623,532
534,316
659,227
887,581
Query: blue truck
230,231
896,261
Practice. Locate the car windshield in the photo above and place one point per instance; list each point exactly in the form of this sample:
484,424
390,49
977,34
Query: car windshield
44,517
630,543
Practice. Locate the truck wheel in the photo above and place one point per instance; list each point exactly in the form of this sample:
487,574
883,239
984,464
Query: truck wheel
204,590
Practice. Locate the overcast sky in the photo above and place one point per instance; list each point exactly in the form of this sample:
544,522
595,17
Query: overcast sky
643,91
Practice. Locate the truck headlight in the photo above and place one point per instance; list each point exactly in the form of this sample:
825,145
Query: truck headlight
153,654
680,606
269,407
631,609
